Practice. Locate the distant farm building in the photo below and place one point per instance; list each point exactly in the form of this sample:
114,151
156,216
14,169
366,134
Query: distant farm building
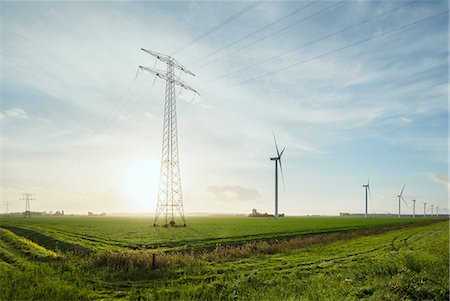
255,213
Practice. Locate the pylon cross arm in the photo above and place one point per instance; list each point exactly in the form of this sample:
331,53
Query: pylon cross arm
169,77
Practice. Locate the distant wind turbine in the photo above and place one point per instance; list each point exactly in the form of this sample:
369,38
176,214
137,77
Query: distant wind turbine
414,208
424,209
277,161
400,198
367,188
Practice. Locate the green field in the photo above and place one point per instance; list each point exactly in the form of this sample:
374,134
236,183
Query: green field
66,258
138,233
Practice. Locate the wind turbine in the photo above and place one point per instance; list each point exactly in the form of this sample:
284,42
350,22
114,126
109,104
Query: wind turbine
277,161
367,187
431,210
400,197
414,208
424,209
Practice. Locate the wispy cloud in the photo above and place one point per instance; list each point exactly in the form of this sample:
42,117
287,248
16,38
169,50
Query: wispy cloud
16,113
440,179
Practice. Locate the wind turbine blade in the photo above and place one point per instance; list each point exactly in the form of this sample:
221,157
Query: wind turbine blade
282,174
401,192
137,71
282,152
404,201
368,188
276,145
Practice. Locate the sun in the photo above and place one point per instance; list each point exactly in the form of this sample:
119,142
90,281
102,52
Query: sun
141,185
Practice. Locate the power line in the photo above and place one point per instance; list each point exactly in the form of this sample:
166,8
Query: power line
108,122
403,27
75,175
253,33
307,44
281,30
121,104
226,21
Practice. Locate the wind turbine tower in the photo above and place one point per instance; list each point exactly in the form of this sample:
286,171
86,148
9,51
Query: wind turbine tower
414,208
170,198
277,161
367,188
400,198
431,210
424,209
437,211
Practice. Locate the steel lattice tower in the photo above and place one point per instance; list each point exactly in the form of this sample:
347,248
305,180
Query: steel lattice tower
27,197
170,198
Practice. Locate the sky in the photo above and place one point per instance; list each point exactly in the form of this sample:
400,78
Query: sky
355,91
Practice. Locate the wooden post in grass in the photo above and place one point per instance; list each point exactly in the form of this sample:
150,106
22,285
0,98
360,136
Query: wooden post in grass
153,261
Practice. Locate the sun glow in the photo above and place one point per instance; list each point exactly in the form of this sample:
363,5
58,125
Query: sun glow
141,185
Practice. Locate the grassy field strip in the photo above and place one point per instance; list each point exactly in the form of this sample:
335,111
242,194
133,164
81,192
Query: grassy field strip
47,242
80,238
207,242
69,236
202,232
359,244
383,271
25,245
336,262
13,257
312,257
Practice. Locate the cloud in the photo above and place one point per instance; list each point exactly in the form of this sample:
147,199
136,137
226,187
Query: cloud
16,113
440,179
405,120
230,193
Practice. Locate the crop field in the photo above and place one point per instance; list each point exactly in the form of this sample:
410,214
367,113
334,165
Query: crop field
139,233
217,258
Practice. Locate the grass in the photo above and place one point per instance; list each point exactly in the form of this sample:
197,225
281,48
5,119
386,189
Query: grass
202,232
296,259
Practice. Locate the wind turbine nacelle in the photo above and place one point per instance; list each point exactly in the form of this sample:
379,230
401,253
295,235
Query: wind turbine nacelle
273,159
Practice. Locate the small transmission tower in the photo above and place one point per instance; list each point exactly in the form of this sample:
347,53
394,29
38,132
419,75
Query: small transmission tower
170,198
27,197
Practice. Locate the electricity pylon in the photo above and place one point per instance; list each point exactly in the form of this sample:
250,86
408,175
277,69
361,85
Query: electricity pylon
27,197
170,198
